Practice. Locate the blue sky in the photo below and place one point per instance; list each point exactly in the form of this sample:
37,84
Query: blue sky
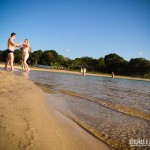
78,28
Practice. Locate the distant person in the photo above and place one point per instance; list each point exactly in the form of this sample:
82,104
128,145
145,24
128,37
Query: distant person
112,75
83,71
10,51
25,54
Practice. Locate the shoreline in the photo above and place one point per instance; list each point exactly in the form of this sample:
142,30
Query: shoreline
90,74
79,73
29,121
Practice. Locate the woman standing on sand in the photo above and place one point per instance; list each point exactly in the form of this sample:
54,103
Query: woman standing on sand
25,54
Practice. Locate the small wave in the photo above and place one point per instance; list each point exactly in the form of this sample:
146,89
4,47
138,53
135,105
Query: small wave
45,87
116,107
116,144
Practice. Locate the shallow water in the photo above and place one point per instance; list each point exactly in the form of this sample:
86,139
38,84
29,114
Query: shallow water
113,110
132,93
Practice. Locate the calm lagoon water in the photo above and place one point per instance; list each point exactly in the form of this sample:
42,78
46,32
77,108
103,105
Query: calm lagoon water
120,91
113,110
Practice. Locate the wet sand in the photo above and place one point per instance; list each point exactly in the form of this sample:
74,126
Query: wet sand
28,121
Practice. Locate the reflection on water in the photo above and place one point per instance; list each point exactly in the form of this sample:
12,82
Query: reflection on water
25,74
120,91
114,110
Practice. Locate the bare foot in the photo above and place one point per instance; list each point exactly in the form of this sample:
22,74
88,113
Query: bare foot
28,69
14,70
6,69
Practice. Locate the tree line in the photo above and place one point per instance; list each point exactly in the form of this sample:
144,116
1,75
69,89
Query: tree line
137,67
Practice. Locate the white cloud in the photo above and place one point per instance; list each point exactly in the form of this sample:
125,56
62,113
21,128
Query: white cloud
68,50
140,53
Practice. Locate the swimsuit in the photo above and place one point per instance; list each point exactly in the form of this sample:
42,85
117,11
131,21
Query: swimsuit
25,55
25,49
10,51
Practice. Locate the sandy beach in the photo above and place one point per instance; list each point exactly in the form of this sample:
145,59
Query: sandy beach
29,121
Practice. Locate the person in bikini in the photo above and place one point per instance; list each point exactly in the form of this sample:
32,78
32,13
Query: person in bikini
10,51
25,54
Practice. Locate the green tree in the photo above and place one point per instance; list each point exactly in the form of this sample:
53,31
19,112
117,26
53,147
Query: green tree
17,56
101,65
68,63
86,62
49,58
115,63
138,66
35,57
4,55
60,59
1,54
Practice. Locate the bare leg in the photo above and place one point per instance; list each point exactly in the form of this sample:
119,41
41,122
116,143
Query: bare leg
22,64
26,66
7,61
11,61
25,63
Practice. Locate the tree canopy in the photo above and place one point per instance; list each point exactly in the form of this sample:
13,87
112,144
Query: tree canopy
139,66
107,64
115,63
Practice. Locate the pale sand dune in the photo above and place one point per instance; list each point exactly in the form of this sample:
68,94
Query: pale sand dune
29,122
